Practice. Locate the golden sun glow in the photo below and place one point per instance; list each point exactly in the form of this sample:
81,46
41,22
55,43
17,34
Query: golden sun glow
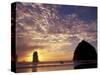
45,55
30,56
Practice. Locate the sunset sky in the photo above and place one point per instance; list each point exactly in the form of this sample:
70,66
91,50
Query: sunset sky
53,31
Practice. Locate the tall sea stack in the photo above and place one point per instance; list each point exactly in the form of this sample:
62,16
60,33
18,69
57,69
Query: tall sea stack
35,57
35,61
85,56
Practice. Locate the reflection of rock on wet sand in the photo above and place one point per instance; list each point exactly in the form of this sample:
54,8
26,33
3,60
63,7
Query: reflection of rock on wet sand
85,56
35,61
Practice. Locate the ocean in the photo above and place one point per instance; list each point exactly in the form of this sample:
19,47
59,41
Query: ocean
43,66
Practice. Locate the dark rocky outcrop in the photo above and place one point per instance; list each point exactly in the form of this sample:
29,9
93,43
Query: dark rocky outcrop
35,61
85,56
35,57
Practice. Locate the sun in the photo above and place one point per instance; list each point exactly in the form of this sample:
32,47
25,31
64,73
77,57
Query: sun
40,54
30,55
29,59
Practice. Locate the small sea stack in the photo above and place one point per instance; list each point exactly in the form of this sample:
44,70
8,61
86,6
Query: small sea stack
35,61
35,57
85,56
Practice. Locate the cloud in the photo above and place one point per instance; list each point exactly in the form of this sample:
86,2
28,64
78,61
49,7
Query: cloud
42,26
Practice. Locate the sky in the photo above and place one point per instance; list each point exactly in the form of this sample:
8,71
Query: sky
54,31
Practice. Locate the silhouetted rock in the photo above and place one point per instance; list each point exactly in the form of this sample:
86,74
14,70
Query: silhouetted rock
35,61
35,57
85,56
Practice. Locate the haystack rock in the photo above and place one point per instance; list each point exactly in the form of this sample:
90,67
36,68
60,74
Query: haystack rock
85,56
